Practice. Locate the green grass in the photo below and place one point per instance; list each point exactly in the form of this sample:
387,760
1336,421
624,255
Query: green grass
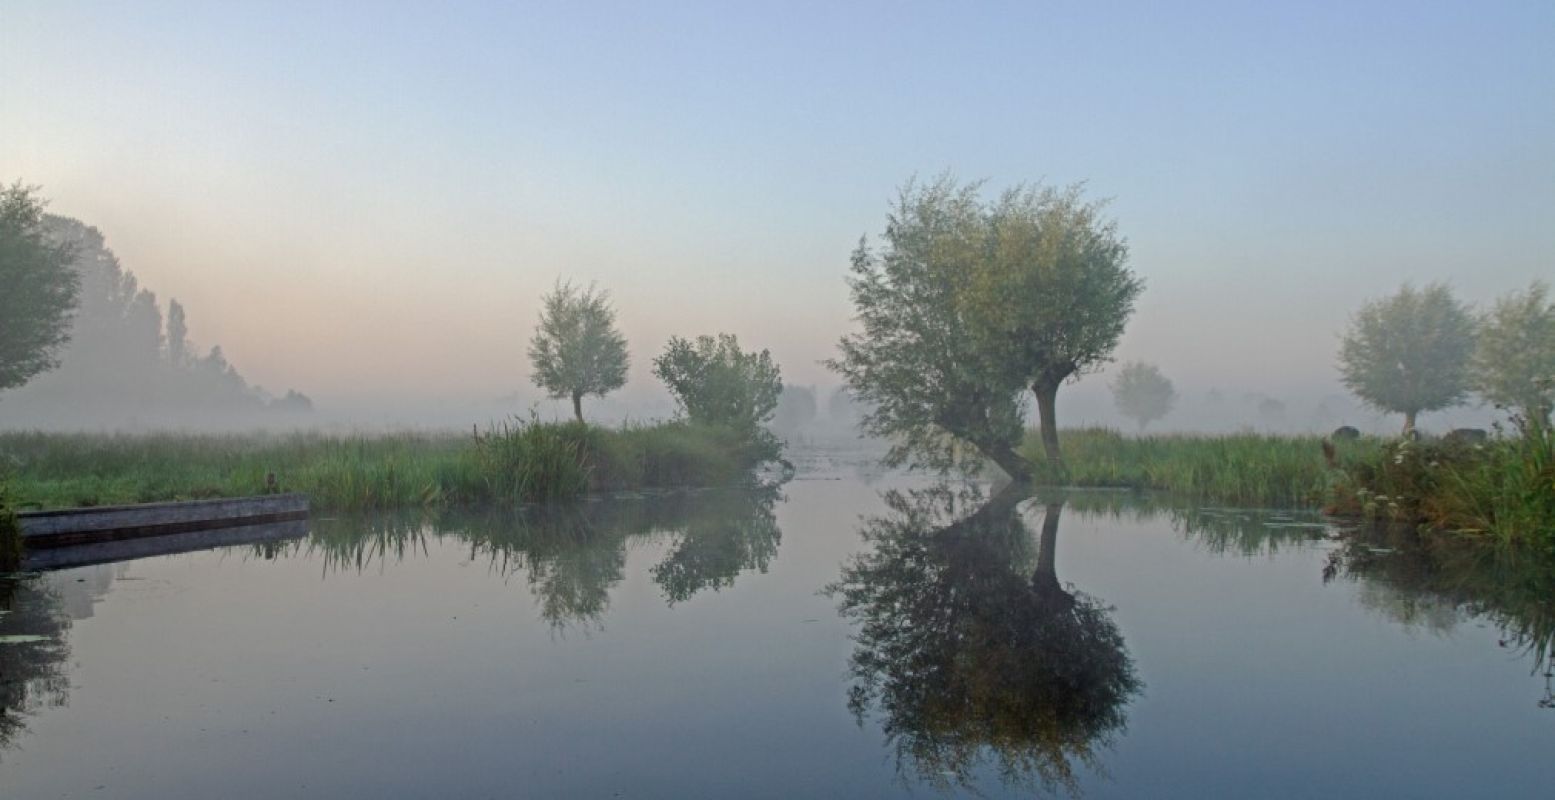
524,461
1503,488
1241,469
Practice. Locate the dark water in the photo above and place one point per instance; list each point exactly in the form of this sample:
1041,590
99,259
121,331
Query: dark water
835,639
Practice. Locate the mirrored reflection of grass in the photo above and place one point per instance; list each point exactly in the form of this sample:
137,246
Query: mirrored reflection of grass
1429,581
571,555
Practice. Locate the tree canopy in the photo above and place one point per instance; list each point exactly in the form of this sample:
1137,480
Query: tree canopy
576,349
715,382
1514,361
38,289
966,304
1142,393
1409,353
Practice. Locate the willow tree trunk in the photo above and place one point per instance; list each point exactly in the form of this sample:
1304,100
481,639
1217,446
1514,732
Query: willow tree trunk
1045,580
577,405
1409,422
1013,463
1047,413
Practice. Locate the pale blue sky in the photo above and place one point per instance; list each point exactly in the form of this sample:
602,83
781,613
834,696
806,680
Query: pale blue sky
371,197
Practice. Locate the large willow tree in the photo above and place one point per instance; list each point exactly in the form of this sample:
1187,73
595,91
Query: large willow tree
967,304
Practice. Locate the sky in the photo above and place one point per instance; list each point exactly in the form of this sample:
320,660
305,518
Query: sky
365,202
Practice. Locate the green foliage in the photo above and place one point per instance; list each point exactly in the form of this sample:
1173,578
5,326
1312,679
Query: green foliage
921,371
1503,488
1514,362
1142,393
716,383
969,303
514,462
1052,296
1250,469
576,350
1409,353
10,529
38,289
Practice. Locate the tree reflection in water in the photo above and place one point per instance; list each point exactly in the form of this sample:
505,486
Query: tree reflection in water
572,556
970,650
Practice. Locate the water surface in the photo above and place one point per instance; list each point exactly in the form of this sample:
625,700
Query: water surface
852,634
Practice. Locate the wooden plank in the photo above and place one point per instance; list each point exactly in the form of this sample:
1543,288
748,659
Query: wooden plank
107,552
74,526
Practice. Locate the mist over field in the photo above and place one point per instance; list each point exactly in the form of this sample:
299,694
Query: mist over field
368,214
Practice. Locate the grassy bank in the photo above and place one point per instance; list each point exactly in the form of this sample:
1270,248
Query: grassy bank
513,462
1502,488
1240,469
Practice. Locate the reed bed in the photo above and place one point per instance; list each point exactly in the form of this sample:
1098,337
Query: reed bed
1240,469
517,461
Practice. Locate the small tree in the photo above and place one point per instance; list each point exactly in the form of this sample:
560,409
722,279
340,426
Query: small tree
1409,353
1142,393
38,289
576,349
716,382
1514,362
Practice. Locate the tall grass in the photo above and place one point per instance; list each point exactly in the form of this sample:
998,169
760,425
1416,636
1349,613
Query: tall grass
519,461
1244,469
1503,487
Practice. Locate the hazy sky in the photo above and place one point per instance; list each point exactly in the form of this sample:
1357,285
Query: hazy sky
370,199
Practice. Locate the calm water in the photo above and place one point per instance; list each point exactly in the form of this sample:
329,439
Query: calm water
853,635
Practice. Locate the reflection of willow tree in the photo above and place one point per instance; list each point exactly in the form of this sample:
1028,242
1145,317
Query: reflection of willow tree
33,652
572,556
1435,582
973,652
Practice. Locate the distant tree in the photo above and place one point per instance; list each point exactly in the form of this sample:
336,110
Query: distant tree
968,304
177,335
716,382
292,401
38,289
1142,393
795,409
576,349
1409,353
1514,363
1271,411
841,408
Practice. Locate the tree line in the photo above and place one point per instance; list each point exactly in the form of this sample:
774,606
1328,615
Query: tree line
83,336
1422,350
